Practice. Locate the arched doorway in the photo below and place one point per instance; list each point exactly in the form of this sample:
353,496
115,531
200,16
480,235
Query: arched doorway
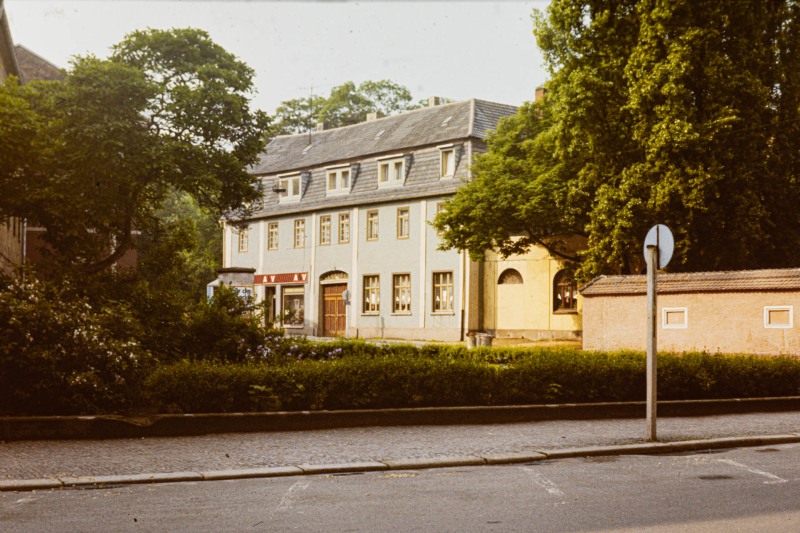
334,312
510,301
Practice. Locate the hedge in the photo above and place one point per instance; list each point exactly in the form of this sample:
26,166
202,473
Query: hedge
357,375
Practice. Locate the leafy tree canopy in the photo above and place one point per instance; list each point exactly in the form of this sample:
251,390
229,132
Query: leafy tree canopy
683,112
346,104
93,157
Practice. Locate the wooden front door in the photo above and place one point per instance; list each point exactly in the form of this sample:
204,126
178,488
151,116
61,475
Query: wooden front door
333,310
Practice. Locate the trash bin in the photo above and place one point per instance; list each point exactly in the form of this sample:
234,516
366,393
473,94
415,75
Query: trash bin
471,342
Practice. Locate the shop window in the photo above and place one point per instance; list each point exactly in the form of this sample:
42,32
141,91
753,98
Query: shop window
293,306
565,291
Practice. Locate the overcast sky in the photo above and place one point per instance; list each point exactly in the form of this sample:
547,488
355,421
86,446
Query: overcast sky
458,50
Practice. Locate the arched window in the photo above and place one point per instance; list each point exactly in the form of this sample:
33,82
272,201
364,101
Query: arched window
565,289
509,277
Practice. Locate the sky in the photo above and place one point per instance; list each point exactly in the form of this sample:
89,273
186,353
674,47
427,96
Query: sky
458,50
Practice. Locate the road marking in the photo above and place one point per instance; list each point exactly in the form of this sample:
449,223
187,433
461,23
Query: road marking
543,482
291,495
775,479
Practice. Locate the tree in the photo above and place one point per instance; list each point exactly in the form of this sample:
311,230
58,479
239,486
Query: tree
102,150
347,104
682,112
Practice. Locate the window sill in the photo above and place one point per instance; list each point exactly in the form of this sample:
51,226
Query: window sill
565,312
443,313
401,314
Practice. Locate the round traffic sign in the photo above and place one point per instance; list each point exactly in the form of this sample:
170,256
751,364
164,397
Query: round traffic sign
661,237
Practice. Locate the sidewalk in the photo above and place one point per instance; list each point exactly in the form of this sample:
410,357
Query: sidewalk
26,465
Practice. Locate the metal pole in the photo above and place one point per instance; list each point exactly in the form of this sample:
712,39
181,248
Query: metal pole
652,363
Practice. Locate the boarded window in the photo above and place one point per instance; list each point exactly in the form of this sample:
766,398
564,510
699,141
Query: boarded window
674,318
776,316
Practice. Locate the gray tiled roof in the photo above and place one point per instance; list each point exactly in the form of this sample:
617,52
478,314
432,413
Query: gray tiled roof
34,67
415,132
421,127
722,281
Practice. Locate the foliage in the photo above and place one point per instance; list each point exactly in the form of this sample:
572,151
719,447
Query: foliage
345,105
59,354
684,112
394,376
97,154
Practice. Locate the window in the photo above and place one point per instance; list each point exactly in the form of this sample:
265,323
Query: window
242,240
448,167
344,228
442,292
391,172
299,233
324,230
339,180
779,316
674,318
272,236
401,287
510,277
565,289
372,225
372,295
289,188
293,306
439,209
403,223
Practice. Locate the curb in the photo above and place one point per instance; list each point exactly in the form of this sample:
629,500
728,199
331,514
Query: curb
649,448
115,427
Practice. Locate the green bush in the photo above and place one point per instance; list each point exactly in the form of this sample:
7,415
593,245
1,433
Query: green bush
60,354
392,376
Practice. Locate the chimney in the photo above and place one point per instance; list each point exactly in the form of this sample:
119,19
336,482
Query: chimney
538,96
321,126
372,116
433,101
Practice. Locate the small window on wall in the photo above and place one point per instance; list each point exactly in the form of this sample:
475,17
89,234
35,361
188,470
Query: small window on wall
403,223
293,307
401,286
324,230
299,233
674,318
272,236
372,225
242,241
448,160
510,277
779,316
344,228
442,292
565,290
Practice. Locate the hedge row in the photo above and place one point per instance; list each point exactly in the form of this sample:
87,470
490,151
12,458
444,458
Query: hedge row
358,375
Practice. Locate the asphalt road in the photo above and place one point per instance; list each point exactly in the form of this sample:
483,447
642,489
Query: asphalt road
748,489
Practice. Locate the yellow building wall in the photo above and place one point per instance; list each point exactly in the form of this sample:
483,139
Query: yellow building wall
525,310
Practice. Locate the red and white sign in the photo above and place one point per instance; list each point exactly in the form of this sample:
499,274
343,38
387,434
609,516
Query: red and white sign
280,279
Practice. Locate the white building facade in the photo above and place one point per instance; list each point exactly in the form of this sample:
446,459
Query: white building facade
350,209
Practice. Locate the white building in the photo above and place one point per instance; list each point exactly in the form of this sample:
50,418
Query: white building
350,208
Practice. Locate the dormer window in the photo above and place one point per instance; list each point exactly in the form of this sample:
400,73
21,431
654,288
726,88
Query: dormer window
447,167
391,171
339,180
289,188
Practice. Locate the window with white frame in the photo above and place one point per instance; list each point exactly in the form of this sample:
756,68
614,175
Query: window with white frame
372,225
401,288
443,292
324,230
289,188
299,233
372,295
391,172
338,180
674,318
403,223
448,162
243,240
272,236
344,228
779,316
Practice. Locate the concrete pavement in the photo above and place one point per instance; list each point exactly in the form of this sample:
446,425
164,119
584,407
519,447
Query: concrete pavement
45,464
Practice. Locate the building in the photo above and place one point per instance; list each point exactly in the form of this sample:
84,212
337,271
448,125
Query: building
748,311
349,209
12,229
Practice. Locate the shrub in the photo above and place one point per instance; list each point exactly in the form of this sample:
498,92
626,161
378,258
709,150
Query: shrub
60,354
